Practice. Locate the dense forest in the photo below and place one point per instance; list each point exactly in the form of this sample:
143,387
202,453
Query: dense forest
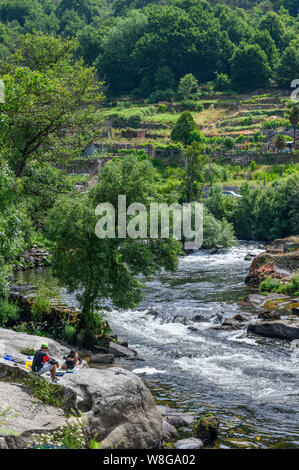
140,46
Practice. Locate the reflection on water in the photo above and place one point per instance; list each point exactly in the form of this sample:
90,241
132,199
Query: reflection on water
250,382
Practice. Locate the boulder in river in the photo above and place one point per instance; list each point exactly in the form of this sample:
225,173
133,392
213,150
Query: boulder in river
295,310
168,431
177,418
283,329
120,351
241,317
229,324
101,359
207,428
269,315
279,261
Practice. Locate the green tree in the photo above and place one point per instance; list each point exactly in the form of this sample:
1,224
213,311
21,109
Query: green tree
249,67
188,85
292,115
194,171
279,142
272,23
267,44
183,128
14,226
164,78
48,113
288,67
107,268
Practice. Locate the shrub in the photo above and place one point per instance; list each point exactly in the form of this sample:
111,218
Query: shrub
270,285
162,107
9,312
46,392
191,105
222,82
229,143
69,334
275,123
27,351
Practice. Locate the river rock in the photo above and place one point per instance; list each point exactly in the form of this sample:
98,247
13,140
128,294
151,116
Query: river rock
192,328
279,261
241,317
295,310
269,315
284,329
120,351
229,324
168,431
190,443
101,359
207,428
176,418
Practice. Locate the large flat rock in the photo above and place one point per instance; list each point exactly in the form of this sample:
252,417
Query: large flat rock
32,415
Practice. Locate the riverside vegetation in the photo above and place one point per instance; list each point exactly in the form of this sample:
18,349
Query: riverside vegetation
171,116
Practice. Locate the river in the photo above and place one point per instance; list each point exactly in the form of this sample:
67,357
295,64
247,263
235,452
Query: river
250,382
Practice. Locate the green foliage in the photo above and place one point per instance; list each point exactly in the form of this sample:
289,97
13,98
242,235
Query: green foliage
187,86
46,89
288,67
217,232
249,67
41,304
48,393
71,436
14,226
222,82
5,417
270,213
275,285
69,334
9,312
42,183
27,351
107,268
275,123
183,128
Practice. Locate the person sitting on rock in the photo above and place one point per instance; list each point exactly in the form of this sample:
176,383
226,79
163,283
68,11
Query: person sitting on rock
71,360
43,363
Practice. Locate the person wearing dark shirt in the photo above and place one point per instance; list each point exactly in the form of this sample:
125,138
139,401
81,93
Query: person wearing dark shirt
43,363
71,360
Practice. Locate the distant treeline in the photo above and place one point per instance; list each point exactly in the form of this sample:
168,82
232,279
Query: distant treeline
144,46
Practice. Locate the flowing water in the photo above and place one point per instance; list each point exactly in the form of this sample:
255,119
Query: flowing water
250,382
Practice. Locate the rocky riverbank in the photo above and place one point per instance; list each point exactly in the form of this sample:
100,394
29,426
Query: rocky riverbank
34,258
115,405
119,410
279,261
